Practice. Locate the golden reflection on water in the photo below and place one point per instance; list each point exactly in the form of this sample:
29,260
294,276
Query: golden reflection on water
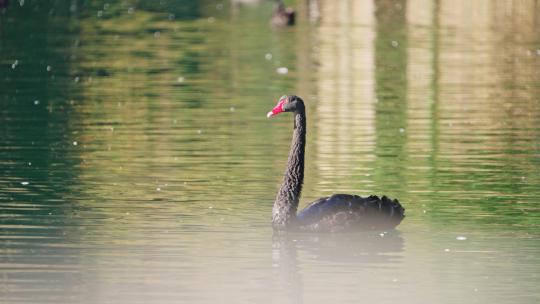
345,115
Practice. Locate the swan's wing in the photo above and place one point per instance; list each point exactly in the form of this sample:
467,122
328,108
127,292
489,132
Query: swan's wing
313,212
326,206
345,211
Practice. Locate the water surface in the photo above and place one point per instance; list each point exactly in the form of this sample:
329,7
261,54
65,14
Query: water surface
137,164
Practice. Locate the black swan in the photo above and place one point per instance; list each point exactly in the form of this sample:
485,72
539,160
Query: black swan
339,212
283,16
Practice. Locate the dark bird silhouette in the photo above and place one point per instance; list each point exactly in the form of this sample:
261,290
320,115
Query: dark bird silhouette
339,212
283,16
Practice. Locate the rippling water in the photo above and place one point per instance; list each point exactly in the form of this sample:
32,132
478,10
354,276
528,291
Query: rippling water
137,164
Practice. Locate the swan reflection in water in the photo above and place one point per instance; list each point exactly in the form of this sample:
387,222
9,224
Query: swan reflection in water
294,253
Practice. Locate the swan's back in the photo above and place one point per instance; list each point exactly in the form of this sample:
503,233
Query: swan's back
341,212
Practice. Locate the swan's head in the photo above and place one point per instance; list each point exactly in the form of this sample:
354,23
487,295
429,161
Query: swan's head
287,103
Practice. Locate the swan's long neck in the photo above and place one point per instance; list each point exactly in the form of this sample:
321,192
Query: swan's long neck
286,204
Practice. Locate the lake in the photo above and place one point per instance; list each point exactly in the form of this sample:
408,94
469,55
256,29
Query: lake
137,164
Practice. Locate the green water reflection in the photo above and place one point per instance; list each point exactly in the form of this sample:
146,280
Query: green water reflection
137,163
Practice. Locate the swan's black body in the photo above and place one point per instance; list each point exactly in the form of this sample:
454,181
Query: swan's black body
345,212
338,212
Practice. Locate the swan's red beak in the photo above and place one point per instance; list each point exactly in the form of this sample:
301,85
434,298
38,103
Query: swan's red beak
277,109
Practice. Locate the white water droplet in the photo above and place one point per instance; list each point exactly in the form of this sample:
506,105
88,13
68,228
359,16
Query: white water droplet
24,183
231,109
446,250
268,56
180,79
158,189
48,68
401,130
36,102
282,70
461,238
75,143
395,43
